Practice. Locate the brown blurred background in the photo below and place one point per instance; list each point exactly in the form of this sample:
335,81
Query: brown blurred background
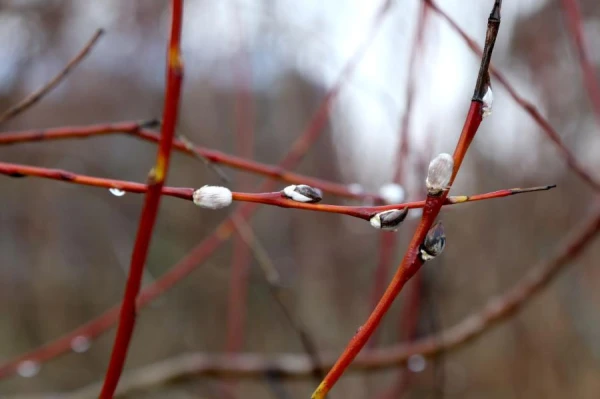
65,249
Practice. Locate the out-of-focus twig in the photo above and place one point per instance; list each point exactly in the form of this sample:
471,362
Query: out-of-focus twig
37,95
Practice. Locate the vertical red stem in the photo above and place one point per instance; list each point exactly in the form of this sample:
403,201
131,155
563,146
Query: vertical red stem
156,181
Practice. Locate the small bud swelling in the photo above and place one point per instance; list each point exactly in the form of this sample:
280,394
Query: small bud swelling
303,193
434,243
212,197
389,220
439,174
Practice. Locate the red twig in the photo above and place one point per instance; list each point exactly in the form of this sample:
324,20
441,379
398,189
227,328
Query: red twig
138,130
269,198
574,24
531,109
34,97
156,181
412,261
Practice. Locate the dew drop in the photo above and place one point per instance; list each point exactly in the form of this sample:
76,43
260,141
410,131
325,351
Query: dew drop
80,344
416,363
116,192
28,368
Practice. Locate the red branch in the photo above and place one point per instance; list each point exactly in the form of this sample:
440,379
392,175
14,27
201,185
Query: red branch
156,181
270,198
137,130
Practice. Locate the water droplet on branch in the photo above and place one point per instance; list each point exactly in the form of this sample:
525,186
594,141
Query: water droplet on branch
116,192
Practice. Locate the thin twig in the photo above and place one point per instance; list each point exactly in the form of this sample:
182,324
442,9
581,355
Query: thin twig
253,365
156,180
140,131
37,95
276,198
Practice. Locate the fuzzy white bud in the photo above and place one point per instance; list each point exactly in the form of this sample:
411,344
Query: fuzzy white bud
212,197
392,193
389,220
488,99
439,174
303,193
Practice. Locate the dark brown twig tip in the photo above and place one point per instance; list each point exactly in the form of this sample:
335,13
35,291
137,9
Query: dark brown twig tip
531,189
150,123
495,14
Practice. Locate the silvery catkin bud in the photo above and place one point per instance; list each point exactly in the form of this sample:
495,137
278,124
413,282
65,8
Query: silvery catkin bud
212,197
389,220
303,193
434,242
439,174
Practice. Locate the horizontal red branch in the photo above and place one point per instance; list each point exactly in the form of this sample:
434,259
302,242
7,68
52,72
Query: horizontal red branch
271,198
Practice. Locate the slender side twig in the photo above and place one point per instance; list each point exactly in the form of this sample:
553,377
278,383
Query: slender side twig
34,97
527,106
156,180
412,261
276,198
140,131
253,365
574,24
